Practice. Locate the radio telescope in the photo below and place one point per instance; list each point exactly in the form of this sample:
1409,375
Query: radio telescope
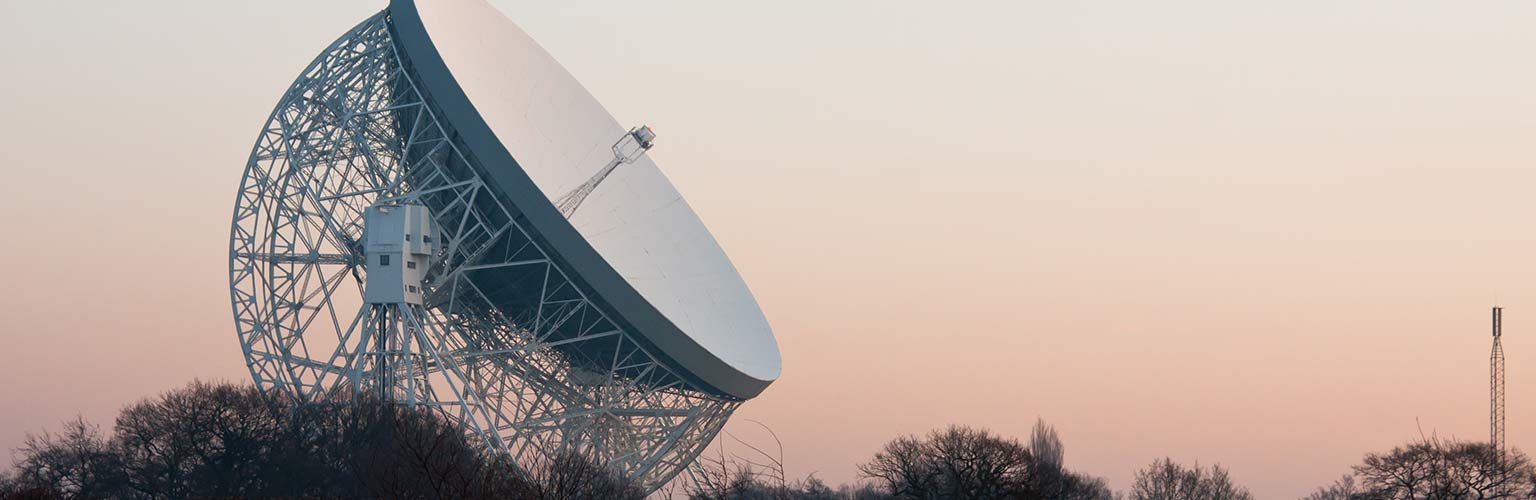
438,214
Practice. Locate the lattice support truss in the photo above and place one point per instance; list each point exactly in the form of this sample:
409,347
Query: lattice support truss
1496,384
534,367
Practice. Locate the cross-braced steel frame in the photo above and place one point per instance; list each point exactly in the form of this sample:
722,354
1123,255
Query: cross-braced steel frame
507,342
1496,385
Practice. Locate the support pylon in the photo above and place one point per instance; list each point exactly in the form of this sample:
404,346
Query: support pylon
1496,386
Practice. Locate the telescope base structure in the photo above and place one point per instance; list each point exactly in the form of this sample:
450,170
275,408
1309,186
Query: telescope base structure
504,340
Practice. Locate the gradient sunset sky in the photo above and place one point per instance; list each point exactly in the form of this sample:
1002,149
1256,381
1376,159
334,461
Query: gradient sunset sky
1261,234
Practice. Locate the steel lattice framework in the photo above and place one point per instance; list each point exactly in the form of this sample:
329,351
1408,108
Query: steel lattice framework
1496,384
534,368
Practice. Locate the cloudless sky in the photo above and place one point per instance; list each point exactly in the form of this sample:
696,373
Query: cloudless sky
1264,234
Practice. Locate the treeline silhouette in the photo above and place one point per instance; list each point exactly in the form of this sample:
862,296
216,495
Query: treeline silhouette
227,441
957,462
1436,469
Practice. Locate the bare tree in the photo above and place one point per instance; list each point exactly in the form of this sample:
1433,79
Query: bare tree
572,477
904,466
957,462
78,462
1167,480
960,462
976,464
758,474
1444,470
1049,476
1345,488
1046,446
1084,487
225,441
204,440
12,489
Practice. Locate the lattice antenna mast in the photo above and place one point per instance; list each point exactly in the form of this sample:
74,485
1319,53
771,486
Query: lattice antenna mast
629,148
1496,389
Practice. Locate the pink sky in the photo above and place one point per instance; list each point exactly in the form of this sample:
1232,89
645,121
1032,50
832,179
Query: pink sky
1265,236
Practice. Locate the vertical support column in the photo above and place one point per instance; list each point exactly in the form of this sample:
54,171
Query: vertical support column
1496,387
381,366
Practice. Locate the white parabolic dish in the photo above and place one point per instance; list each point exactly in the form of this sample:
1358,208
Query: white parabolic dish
634,241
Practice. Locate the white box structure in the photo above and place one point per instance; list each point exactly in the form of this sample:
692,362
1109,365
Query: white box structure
400,243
